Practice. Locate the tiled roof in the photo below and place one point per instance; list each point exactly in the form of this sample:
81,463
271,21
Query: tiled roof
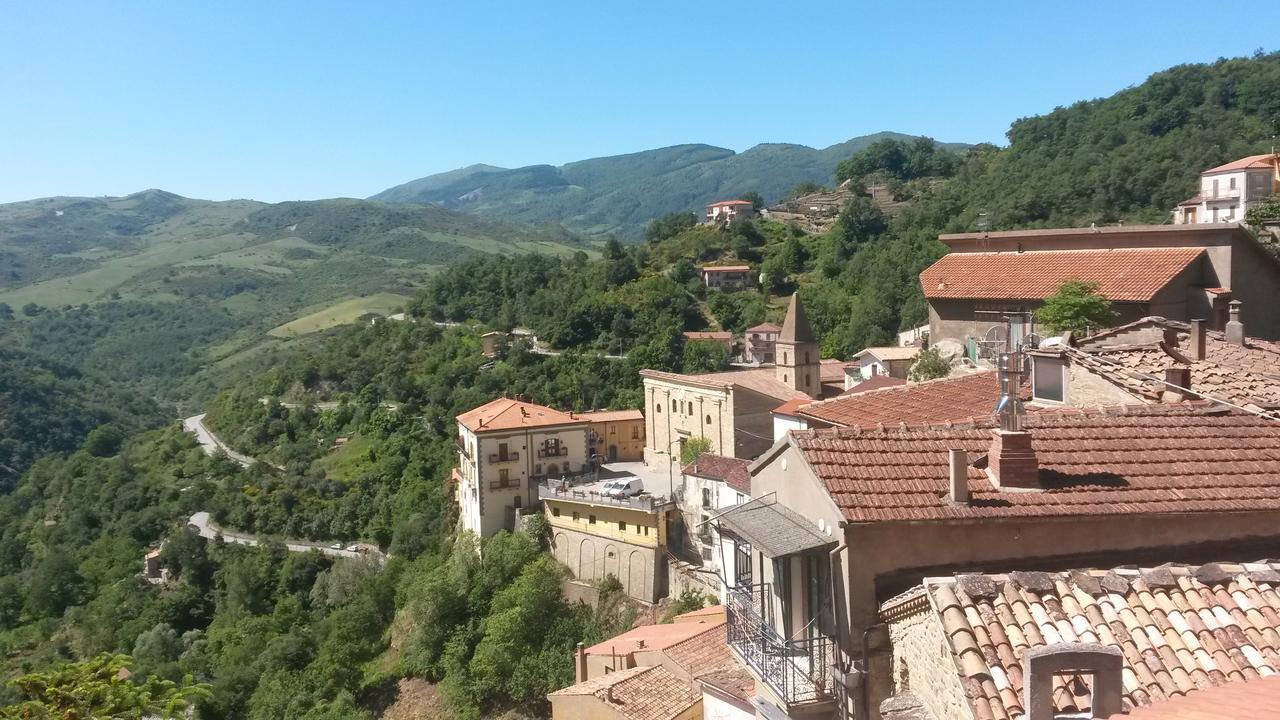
949,399
705,652
894,352
732,471
509,414
732,681
831,370
730,202
1180,629
761,380
875,382
611,415
716,335
653,637
765,328
1183,458
724,268
791,408
1233,701
1122,275
640,693
1252,162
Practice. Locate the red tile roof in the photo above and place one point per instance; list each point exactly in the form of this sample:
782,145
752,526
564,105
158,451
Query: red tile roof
640,693
762,380
723,203
892,352
765,328
875,382
508,414
1233,701
1122,275
654,637
1183,458
948,399
1252,162
598,416
732,471
1180,630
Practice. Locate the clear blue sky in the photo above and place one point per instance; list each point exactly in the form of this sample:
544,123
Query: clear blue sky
278,100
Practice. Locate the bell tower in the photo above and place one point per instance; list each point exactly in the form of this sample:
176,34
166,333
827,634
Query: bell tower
798,365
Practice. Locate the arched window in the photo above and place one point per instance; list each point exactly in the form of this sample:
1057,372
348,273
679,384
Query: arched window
784,359
806,357
708,419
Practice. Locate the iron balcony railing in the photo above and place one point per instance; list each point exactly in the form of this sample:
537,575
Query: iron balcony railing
554,490
799,671
495,458
547,452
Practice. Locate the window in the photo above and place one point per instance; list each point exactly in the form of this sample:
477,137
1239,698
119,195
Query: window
706,498
806,379
622,525
635,432
502,452
689,412
646,530
1048,379
708,419
518,501
575,516
591,519
657,408
1233,184
504,476
784,357
806,357
555,512
673,405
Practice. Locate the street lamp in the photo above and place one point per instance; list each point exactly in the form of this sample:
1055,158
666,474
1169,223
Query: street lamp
671,460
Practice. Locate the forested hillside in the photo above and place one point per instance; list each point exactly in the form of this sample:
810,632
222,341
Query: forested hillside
621,194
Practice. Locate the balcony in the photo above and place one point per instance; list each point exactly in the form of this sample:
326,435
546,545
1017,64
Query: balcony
798,671
550,452
589,494
495,458
461,446
1221,194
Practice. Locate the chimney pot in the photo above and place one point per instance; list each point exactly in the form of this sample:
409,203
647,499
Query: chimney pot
1197,340
1235,328
1103,662
959,488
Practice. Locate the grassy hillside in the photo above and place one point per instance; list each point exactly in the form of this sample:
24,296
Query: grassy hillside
620,194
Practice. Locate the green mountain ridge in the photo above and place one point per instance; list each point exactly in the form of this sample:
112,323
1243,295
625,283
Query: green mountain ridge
619,194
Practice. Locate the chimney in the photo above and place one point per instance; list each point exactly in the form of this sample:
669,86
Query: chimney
639,643
580,664
1177,384
1197,340
959,487
1012,462
1042,664
1235,328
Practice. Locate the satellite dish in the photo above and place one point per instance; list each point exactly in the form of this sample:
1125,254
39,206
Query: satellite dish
1031,340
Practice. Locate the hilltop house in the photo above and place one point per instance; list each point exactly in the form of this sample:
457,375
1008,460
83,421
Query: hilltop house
726,277
759,343
504,448
990,284
732,409
1228,191
726,211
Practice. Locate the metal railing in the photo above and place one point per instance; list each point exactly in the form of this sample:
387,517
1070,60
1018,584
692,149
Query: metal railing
799,671
555,490
495,458
547,452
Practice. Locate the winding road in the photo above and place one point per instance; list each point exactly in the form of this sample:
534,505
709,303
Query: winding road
210,442
204,526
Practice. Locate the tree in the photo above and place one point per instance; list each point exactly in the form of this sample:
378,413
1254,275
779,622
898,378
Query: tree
101,688
31,309
756,200
929,365
6,311
104,441
1076,307
693,447
808,187
668,226
704,356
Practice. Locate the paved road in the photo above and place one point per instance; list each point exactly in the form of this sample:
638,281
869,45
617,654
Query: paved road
206,528
210,442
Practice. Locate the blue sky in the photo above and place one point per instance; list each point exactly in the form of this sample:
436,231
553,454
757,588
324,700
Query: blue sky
279,100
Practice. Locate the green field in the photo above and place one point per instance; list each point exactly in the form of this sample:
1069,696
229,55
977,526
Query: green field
340,313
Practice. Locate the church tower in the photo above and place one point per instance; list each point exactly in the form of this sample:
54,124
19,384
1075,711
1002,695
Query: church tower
798,365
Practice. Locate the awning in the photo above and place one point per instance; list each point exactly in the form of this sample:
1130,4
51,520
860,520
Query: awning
774,529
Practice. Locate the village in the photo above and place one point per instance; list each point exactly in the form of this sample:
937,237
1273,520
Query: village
1063,525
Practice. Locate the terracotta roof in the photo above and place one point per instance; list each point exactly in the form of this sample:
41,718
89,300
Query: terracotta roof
509,414
654,637
791,408
875,382
597,416
640,693
894,352
1193,200
1252,162
795,327
704,652
732,471
761,380
1183,458
710,613
1133,275
947,399
832,370
765,328
722,203
1180,629
733,681
724,268
708,335
1233,701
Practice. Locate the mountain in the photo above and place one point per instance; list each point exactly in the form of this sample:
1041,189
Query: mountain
621,193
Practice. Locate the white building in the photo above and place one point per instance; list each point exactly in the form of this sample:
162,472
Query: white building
712,485
505,448
1228,191
727,210
878,361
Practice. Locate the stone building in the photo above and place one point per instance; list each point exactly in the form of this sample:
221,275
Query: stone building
1180,272
505,447
615,435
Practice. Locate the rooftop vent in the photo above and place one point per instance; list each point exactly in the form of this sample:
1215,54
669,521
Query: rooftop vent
1235,328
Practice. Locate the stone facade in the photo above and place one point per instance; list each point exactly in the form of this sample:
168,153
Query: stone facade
922,665
594,541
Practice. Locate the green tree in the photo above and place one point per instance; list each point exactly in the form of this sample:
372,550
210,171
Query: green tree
1076,307
6,311
693,447
668,226
31,309
929,365
685,602
704,356
756,200
104,441
101,688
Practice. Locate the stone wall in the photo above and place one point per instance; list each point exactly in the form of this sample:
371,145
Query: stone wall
922,666
590,558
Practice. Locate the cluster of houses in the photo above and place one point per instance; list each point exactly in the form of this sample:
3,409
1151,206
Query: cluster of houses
1070,526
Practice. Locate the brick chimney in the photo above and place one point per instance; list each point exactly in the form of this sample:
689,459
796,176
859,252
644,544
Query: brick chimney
1197,340
1235,328
959,477
1012,461
1177,384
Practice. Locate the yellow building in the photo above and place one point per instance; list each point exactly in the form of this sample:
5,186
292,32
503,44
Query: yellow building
615,435
595,536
